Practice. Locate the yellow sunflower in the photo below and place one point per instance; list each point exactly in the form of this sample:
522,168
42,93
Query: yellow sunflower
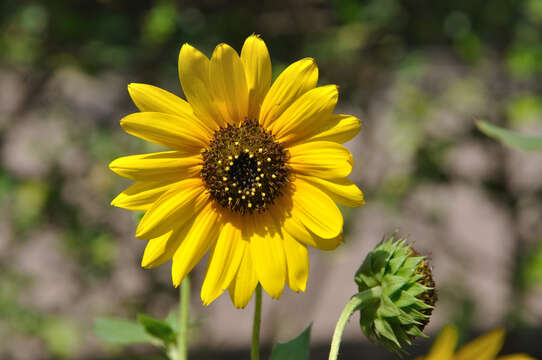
485,347
253,175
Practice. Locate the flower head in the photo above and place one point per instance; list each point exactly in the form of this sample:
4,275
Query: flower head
485,347
253,175
397,292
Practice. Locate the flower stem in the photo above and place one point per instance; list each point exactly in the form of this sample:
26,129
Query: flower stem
348,310
255,348
184,305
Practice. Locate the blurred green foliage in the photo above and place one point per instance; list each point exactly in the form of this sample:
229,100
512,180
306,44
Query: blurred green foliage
111,34
510,138
533,266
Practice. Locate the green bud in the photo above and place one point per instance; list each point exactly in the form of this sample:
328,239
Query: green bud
396,293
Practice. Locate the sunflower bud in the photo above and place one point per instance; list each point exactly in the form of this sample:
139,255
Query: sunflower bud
396,292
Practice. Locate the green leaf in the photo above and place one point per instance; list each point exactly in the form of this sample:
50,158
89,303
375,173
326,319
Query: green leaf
157,328
387,308
384,329
173,320
296,349
406,299
510,138
120,331
393,283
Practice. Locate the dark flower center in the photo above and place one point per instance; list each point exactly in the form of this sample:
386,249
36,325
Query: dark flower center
430,296
244,168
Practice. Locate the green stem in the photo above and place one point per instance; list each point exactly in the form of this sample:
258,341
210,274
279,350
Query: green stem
348,310
255,348
184,305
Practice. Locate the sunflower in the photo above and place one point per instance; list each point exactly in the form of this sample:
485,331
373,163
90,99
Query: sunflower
485,347
253,175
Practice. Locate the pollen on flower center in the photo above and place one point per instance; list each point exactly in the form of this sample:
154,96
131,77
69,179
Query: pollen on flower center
244,168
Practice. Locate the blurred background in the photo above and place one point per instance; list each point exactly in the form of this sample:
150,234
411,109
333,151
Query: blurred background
417,73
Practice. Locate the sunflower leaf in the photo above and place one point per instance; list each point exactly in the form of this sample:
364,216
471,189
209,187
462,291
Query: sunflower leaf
158,328
173,320
120,331
510,138
295,349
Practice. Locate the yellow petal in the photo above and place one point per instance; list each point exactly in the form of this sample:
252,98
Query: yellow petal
316,210
223,262
162,166
267,249
243,285
229,84
485,347
150,98
141,195
444,346
295,228
200,238
194,77
172,131
324,159
161,249
173,209
257,63
340,190
298,231
297,259
155,250
293,82
339,128
307,114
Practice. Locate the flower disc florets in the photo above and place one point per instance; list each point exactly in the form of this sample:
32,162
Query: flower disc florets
398,291
244,168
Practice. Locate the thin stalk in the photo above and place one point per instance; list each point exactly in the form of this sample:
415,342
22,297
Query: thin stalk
348,310
184,306
255,348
